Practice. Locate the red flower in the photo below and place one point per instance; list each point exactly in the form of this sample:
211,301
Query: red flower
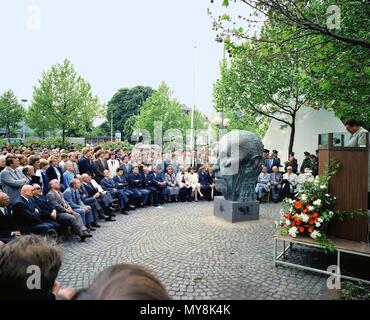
315,215
298,222
293,224
298,205
305,210
301,229
311,221
310,230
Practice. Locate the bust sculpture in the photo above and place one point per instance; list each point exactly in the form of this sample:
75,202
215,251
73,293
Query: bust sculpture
239,159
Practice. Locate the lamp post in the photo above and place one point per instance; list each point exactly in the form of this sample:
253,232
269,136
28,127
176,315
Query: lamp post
220,40
24,123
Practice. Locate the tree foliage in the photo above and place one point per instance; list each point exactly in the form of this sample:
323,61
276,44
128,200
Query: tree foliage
125,104
62,99
12,112
161,106
331,39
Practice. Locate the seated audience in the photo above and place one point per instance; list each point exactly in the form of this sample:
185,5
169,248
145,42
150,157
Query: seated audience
172,185
184,185
104,198
303,177
7,230
72,197
276,180
263,183
289,183
194,183
136,185
54,171
160,184
110,185
12,180
68,175
56,200
125,282
28,219
29,173
151,185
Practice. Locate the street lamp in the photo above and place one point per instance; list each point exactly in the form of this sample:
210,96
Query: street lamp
24,123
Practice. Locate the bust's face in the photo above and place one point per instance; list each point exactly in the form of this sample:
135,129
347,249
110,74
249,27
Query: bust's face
238,155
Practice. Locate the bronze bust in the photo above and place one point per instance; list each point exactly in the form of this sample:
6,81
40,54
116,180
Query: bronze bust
239,159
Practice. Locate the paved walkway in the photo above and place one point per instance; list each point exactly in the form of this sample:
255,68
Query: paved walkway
196,255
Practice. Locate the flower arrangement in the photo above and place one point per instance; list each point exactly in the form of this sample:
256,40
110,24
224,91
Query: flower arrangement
309,213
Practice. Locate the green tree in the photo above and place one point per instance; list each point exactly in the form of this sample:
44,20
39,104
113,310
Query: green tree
161,106
12,112
332,44
124,104
263,88
63,99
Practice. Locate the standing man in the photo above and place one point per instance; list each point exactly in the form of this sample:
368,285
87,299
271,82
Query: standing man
12,180
126,167
306,161
358,134
271,162
100,164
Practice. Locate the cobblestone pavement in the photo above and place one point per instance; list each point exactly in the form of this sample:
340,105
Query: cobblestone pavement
196,255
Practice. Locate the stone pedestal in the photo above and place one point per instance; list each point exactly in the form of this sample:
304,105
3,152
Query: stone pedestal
234,211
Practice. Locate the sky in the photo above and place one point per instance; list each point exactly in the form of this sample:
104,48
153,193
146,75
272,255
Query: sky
112,44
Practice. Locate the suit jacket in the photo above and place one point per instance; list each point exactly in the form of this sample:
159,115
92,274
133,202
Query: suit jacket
50,172
126,169
150,180
12,181
73,198
269,166
45,184
25,213
90,189
276,177
57,201
100,165
121,182
158,176
6,223
42,203
108,184
135,180
85,166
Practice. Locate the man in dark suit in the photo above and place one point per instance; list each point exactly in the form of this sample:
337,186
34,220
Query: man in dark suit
56,200
85,163
54,171
160,184
276,181
109,184
104,198
126,167
271,162
122,184
136,184
73,198
100,164
28,218
7,230
151,185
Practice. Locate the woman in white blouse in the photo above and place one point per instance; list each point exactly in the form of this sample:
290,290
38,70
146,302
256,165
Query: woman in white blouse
113,165
194,183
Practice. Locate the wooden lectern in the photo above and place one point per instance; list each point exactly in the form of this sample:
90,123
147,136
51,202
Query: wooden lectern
349,185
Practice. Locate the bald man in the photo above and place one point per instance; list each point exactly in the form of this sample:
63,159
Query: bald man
27,217
7,231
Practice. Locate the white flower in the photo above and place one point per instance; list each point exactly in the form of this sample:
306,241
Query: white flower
304,217
315,234
322,187
317,202
287,222
311,208
293,231
320,220
327,195
331,213
304,197
317,224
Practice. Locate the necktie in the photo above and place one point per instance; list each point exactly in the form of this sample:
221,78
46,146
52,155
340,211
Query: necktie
183,178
